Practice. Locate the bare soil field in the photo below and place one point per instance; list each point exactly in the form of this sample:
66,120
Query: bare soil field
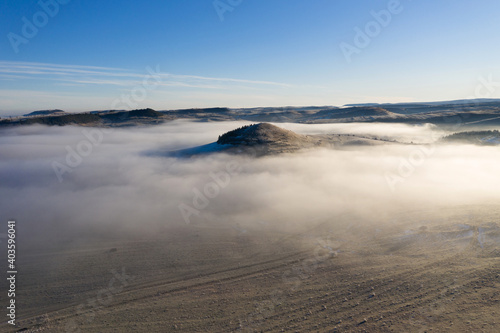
421,271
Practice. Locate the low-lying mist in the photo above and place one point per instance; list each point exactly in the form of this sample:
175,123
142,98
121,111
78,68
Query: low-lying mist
56,180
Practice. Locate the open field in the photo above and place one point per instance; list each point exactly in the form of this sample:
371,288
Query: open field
427,271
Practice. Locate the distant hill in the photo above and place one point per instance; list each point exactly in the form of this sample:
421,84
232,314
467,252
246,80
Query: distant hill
207,114
354,112
206,110
452,102
485,138
100,118
260,134
66,119
267,139
45,113
478,104
142,113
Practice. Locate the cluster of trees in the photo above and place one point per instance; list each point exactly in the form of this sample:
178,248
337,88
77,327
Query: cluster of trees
231,135
483,137
141,113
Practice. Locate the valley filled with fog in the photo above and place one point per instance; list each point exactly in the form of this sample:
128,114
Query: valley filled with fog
88,200
127,181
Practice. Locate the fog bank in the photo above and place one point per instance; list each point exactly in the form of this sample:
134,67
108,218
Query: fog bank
118,187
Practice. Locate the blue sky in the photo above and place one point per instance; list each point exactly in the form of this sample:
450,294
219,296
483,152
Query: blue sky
96,55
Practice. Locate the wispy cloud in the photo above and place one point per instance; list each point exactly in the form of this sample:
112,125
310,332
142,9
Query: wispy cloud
229,80
28,86
40,68
93,75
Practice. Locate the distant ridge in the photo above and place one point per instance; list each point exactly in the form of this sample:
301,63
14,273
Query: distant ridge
475,112
45,113
452,102
205,110
354,112
144,113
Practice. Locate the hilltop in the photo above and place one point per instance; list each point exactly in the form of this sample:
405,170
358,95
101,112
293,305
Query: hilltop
267,139
45,113
262,133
